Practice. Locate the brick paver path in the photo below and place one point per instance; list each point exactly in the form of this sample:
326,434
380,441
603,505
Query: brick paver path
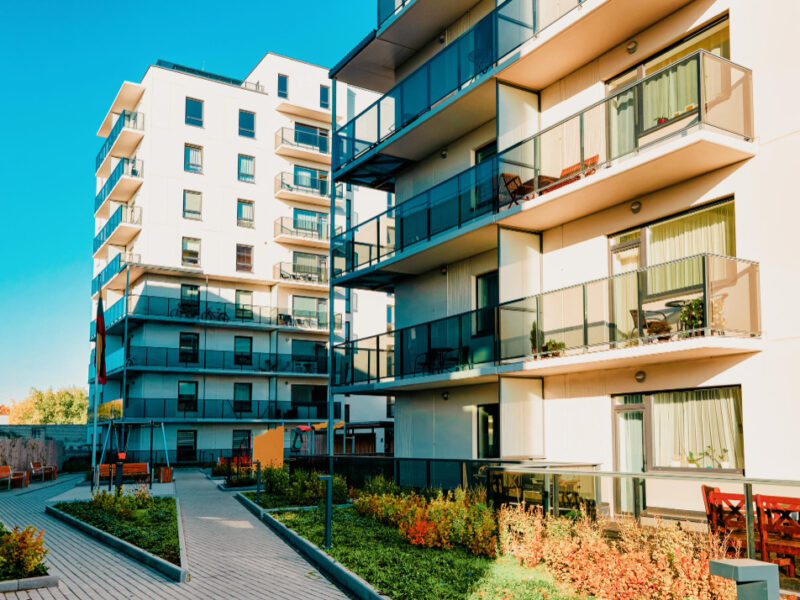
230,553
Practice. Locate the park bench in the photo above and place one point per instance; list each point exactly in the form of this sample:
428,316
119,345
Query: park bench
10,477
43,471
130,471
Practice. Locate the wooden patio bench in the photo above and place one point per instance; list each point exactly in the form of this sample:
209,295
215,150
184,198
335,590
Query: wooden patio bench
11,477
130,471
43,471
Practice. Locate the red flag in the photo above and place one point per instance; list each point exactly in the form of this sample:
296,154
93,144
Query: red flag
100,344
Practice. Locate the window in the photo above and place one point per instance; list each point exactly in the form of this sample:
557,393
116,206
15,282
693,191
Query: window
313,137
192,205
489,431
309,267
389,317
487,296
187,445
309,356
324,97
242,397
188,347
193,158
310,221
283,86
242,350
347,412
244,213
486,152
244,305
247,123
187,396
194,112
241,442
389,200
680,429
310,312
244,257
312,179
390,407
247,168
190,253
190,301
309,401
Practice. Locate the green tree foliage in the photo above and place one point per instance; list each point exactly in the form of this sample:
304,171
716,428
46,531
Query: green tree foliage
67,406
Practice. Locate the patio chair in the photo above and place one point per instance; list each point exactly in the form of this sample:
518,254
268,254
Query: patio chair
42,470
729,521
516,189
707,490
573,173
779,529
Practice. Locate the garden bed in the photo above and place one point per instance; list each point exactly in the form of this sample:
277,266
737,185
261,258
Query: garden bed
22,566
151,524
389,562
280,489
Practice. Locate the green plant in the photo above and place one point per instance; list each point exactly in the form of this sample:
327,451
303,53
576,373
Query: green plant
661,329
22,553
717,457
535,338
275,480
693,459
692,315
553,348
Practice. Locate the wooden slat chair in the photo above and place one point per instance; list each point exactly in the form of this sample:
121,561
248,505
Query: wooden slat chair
7,475
42,470
779,529
572,173
516,189
130,471
707,490
729,521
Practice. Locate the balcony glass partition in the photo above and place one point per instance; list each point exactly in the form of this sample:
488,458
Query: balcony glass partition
697,296
125,167
388,8
700,89
144,357
312,229
301,272
114,266
457,65
126,120
306,185
298,138
131,215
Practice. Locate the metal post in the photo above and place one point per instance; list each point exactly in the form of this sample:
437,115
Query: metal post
637,509
164,437
748,507
118,479
258,482
151,455
328,479
555,496
125,341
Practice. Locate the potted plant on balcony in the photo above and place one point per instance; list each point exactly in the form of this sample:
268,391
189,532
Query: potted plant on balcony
692,317
659,329
535,339
719,458
553,348
695,460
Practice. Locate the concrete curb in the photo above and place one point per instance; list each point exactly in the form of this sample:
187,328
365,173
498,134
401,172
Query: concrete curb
347,580
247,488
181,538
164,567
29,583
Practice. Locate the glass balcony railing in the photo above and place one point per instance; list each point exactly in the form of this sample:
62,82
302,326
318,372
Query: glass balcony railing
211,311
114,266
126,166
306,185
143,357
312,229
698,89
702,295
200,408
389,8
306,140
131,215
126,120
287,271
457,65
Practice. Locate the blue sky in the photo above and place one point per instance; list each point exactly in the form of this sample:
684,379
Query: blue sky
61,63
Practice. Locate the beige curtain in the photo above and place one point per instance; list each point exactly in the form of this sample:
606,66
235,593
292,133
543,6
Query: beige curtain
691,421
672,92
624,264
707,230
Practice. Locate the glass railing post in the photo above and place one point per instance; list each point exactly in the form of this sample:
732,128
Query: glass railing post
582,149
585,317
751,535
706,292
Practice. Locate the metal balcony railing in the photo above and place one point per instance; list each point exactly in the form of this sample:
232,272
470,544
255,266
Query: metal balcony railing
131,215
114,266
306,185
204,408
302,139
287,271
691,297
312,229
699,90
125,167
389,8
126,120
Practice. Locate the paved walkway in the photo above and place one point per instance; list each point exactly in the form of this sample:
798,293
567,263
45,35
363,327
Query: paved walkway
230,553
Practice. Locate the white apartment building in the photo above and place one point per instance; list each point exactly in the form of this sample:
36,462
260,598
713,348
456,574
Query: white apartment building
212,221
592,249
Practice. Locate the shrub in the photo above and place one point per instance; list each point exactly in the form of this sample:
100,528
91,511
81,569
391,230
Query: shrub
662,563
381,485
22,553
275,480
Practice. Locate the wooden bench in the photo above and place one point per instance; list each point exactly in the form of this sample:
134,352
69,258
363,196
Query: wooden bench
130,471
43,471
10,477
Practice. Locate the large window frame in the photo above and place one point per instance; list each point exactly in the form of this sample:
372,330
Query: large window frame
190,211
192,116
243,219
246,172
646,408
244,258
188,347
189,164
242,397
187,396
283,86
190,256
242,350
247,129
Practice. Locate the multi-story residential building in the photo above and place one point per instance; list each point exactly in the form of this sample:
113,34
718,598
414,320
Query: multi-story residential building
211,253
592,249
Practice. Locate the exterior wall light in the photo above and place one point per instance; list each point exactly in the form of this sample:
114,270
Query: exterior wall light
445,395
632,46
640,376
443,153
636,206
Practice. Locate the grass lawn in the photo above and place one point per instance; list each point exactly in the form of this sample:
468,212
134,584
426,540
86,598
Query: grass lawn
269,500
395,567
154,529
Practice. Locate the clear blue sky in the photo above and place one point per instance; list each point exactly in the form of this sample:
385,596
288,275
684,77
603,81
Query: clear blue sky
61,63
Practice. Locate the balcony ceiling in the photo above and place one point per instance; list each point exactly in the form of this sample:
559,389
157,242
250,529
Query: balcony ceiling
372,66
127,99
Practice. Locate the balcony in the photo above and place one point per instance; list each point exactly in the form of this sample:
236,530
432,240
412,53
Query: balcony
110,276
128,99
306,190
696,307
122,141
691,117
294,143
216,313
302,276
182,410
454,92
147,358
124,181
123,226
305,232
